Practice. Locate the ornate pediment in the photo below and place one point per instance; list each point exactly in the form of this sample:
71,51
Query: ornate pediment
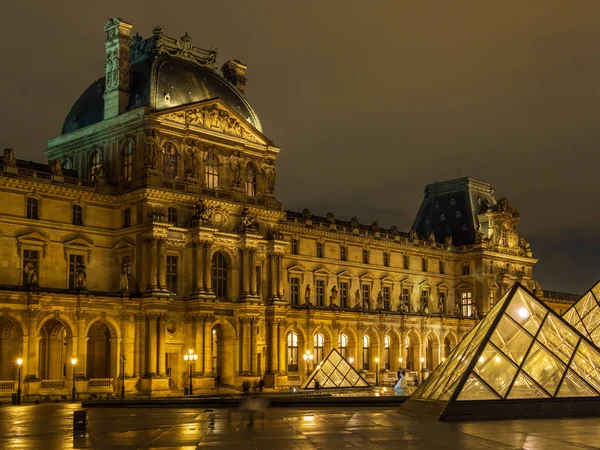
33,238
79,243
344,274
443,285
367,276
322,271
387,279
464,286
123,245
216,116
296,268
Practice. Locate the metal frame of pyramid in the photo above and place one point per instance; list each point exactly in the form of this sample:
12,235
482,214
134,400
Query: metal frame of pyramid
585,314
521,360
335,372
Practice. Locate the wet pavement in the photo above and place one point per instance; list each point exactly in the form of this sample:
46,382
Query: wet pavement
49,426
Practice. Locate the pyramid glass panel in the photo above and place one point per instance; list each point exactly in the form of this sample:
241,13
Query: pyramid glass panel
330,376
544,368
595,336
571,316
526,311
585,314
558,338
573,386
495,369
586,363
511,339
592,320
585,304
523,387
596,290
474,389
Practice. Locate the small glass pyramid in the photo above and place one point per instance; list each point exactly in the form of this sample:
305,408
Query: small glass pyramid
584,315
335,372
520,350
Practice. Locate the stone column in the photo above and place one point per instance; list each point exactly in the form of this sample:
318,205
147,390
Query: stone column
273,347
32,345
274,277
198,266
152,344
245,266
81,351
246,345
153,258
127,341
253,352
280,276
143,345
282,348
199,342
207,266
207,346
162,263
162,363
253,289
137,347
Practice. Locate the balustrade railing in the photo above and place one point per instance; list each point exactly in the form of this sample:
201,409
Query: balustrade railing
100,382
52,384
8,385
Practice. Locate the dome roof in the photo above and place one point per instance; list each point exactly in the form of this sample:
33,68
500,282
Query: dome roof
162,81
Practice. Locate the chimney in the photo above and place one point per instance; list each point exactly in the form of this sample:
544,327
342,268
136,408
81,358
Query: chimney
116,92
234,72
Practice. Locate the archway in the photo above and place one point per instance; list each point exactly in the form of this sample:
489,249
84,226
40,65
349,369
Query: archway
55,350
431,352
449,344
11,348
222,353
413,354
99,351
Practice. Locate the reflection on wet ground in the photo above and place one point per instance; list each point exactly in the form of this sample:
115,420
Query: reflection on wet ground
49,426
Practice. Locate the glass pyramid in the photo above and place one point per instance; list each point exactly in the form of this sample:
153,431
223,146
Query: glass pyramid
584,315
334,372
520,350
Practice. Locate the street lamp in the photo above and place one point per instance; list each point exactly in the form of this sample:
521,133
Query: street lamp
73,390
123,377
190,357
376,371
422,369
19,363
308,357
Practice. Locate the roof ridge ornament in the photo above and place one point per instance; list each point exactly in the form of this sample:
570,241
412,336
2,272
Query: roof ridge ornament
183,48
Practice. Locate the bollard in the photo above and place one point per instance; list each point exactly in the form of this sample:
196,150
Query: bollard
79,421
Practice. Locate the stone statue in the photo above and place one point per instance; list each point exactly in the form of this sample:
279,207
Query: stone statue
404,305
448,240
236,168
124,286
306,214
333,297
413,234
152,148
270,174
424,309
81,280
354,222
394,230
474,312
98,174
307,295
331,218
247,220
441,305
357,299
457,308
55,167
525,244
380,300
431,236
9,157
202,212
31,273
479,233
190,160
375,226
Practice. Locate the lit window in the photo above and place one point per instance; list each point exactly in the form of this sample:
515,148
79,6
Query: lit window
386,298
344,345
386,356
366,352
466,304
211,172
366,295
292,352
318,341
343,292
169,161
95,165
250,180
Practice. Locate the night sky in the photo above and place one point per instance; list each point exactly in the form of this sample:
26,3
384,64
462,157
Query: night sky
370,101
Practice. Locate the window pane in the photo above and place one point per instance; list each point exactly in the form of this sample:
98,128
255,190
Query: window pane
545,369
509,338
474,389
523,387
495,369
573,386
525,311
558,338
585,364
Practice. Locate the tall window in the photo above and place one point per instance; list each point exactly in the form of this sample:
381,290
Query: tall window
425,298
169,161
75,261
292,352
424,264
127,218
344,345
386,297
442,271
365,290
343,294
366,352
441,301
318,341
320,292
219,275
172,215
172,262
126,266
492,298
365,254
294,290
77,214
319,250
294,246
466,304
386,352
406,296
343,253
95,165
33,208
31,261
250,180
504,236
386,259
211,171
405,262
466,268
127,161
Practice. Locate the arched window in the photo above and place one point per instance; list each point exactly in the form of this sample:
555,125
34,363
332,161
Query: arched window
169,161
344,345
366,352
386,356
219,275
318,341
33,208
67,163
292,352
127,161
250,180
211,171
95,165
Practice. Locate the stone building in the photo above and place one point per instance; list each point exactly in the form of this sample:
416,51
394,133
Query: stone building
155,229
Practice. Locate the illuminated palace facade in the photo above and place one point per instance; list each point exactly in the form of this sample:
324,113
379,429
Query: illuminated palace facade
155,229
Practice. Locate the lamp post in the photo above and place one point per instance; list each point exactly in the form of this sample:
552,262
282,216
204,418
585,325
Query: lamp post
19,364
190,357
422,369
73,390
123,377
376,371
308,357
